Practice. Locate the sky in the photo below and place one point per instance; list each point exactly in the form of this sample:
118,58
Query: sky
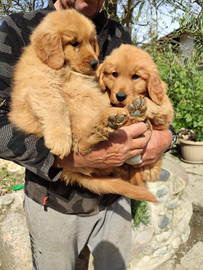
166,25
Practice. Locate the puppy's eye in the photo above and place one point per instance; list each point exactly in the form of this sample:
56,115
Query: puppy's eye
115,74
76,44
135,77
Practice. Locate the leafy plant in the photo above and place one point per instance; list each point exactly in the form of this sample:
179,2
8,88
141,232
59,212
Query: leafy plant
140,213
185,89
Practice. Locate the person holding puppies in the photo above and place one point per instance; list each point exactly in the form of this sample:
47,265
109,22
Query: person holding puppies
63,219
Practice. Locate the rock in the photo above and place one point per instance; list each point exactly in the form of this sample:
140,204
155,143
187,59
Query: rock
163,222
164,236
14,239
7,200
161,193
172,204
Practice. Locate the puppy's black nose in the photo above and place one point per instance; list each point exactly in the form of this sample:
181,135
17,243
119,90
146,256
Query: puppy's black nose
121,96
93,64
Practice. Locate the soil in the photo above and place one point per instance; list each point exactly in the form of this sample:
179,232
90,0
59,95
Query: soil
196,233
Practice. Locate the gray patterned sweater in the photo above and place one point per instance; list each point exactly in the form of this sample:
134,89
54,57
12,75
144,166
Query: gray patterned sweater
29,151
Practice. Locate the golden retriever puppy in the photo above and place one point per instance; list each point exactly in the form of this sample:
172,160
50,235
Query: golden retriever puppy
56,95
57,47
131,79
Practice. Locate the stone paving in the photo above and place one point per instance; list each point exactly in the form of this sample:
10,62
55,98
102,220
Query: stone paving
14,240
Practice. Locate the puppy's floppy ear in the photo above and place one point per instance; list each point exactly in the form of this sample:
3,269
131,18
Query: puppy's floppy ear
156,88
100,75
49,49
96,48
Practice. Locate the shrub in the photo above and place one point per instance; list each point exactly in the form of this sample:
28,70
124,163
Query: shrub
185,89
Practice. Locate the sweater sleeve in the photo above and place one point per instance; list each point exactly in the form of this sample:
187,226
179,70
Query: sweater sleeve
26,150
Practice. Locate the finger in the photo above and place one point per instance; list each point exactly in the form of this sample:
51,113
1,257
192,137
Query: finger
135,130
141,141
138,155
147,135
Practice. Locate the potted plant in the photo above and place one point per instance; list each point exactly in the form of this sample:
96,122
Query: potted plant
191,149
183,74
187,97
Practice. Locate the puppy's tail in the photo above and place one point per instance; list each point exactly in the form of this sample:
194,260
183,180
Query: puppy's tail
102,185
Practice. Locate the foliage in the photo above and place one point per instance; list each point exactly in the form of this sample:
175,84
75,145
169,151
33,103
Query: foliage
139,213
181,68
185,88
148,20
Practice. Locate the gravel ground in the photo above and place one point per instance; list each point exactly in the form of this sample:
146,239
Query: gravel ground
11,175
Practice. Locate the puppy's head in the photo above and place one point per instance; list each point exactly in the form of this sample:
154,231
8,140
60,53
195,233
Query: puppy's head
66,38
128,72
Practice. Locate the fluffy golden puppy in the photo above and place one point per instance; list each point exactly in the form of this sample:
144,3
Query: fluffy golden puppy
57,47
56,95
131,79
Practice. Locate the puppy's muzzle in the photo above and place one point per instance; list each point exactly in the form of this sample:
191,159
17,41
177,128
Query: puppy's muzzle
93,63
121,96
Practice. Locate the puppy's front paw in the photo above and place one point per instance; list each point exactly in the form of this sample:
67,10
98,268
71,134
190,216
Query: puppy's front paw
138,107
117,120
60,145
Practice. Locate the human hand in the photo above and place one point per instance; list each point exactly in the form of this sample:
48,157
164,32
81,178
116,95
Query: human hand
128,142
159,142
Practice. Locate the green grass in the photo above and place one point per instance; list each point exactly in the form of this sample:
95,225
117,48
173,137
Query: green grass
140,213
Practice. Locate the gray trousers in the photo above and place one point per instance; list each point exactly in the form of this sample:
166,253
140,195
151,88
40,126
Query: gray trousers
57,239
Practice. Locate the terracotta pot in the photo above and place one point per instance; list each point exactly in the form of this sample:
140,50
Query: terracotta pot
192,152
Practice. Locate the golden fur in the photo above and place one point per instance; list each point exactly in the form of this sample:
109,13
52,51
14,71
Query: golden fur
56,96
132,80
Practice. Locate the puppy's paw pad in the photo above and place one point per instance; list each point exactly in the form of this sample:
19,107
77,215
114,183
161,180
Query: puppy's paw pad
138,107
117,120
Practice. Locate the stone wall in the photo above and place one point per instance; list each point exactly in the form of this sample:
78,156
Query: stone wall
156,243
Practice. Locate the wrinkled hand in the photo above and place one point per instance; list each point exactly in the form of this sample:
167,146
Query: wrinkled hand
157,145
127,142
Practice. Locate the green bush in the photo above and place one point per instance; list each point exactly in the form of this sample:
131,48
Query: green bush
185,89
